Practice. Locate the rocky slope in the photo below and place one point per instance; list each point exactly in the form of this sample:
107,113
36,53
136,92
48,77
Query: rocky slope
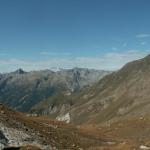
122,94
22,90
20,131
23,130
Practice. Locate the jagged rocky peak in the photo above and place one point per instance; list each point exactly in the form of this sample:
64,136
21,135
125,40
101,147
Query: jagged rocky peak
19,71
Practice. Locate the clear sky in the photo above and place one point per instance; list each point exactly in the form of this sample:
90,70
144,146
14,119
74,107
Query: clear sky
100,34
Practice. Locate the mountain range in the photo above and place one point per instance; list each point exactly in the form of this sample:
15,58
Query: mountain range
101,112
22,90
82,95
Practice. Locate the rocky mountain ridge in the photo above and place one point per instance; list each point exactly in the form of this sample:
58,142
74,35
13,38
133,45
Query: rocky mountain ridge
22,90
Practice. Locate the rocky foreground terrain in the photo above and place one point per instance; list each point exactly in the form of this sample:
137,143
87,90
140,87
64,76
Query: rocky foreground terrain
20,131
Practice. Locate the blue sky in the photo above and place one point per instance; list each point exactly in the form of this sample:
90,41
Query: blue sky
100,34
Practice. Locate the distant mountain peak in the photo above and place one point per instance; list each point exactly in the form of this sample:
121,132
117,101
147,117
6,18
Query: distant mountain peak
20,71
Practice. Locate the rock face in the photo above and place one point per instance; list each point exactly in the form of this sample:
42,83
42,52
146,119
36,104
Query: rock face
14,132
14,137
22,90
65,118
3,140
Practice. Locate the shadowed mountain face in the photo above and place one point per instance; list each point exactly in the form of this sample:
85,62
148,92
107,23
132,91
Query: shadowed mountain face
122,94
22,90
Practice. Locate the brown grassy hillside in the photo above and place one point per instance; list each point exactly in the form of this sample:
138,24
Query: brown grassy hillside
122,94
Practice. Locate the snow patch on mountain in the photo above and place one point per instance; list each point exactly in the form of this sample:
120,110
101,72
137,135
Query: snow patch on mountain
66,118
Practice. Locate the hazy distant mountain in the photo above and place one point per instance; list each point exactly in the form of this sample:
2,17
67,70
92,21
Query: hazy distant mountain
22,90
